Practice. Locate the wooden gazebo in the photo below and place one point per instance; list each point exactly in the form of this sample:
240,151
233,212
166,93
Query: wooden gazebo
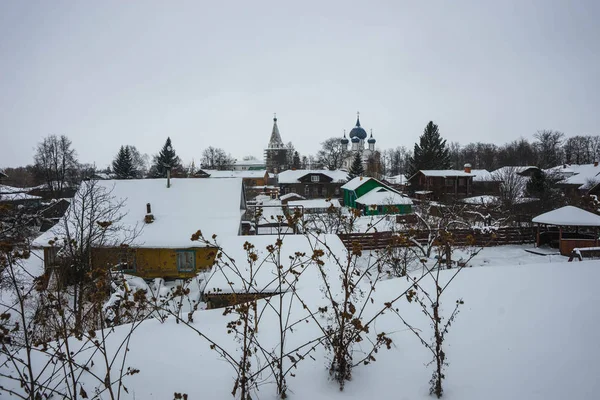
569,220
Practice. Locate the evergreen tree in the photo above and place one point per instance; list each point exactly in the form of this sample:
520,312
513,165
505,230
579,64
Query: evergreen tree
122,165
541,186
296,160
165,158
431,152
356,169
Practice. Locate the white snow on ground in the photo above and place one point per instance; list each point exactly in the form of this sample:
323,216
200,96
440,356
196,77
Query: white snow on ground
511,255
295,252
524,332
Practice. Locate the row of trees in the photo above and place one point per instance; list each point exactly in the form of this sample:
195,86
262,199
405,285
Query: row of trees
56,164
548,149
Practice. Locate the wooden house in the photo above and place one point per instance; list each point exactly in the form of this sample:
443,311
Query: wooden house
152,236
442,185
373,197
312,184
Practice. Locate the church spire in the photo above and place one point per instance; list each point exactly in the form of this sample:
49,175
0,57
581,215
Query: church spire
358,118
275,142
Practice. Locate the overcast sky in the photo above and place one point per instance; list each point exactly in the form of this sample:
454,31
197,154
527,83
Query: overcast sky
107,73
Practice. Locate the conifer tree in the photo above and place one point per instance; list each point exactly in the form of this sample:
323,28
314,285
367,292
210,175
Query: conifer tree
356,169
122,165
296,160
431,152
541,186
165,158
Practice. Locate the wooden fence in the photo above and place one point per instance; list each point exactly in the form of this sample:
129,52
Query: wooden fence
459,237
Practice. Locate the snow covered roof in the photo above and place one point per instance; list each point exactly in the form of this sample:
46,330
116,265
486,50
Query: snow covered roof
213,206
232,278
290,195
381,196
11,193
252,161
252,174
4,189
355,182
516,168
315,203
581,175
102,175
12,197
445,172
396,179
293,175
568,216
483,175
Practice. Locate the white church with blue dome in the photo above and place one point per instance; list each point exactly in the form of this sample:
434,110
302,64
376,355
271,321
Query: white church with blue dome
358,137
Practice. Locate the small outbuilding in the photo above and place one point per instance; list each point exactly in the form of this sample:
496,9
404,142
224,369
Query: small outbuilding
373,197
567,228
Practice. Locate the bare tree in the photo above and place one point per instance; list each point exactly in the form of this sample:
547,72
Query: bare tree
512,187
216,158
331,154
549,147
56,162
93,220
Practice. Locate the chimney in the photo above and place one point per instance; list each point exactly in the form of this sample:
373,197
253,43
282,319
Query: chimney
468,168
168,177
595,163
149,218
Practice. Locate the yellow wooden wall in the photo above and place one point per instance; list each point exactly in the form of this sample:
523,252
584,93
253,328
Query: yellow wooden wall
155,263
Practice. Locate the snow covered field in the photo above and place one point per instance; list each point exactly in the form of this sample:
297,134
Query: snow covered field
512,255
528,330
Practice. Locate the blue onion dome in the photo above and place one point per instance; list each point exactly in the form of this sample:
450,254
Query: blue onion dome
344,139
355,139
371,139
358,131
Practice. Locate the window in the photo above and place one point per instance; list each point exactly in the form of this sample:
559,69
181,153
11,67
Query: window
449,182
462,181
126,261
186,261
51,253
337,190
306,190
320,190
286,190
314,178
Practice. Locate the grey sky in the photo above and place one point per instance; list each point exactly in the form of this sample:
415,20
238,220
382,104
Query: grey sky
107,73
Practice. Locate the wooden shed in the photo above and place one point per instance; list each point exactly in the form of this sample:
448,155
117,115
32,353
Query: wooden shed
567,228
